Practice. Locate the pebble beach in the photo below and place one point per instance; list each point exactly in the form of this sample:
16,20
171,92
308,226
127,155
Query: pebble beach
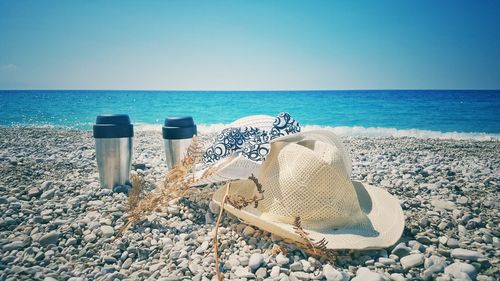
57,223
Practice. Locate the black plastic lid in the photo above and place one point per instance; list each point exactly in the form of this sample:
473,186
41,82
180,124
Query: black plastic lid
179,127
113,126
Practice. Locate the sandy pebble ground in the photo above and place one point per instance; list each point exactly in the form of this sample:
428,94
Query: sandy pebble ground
56,223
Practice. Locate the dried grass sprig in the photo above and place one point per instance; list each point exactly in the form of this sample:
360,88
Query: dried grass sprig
177,184
220,277
310,246
297,226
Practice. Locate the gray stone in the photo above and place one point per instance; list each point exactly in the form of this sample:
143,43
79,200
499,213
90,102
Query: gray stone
282,260
302,275
411,261
89,238
16,245
443,205
401,250
452,243
47,195
3,201
386,261
397,277
109,259
107,231
194,268
34,192
296,266
71,241
331,274
255,261
465,254
364,274
127,263
46,185
275,271
202,248
49,239
261,273
457,270
424,240
242,272
248,231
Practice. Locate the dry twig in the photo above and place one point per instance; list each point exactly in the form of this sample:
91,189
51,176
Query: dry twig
216,243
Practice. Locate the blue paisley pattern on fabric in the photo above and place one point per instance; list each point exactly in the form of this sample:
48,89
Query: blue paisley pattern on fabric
251,142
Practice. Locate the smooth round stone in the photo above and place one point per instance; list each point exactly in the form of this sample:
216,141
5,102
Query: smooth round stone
108,259
424,240
275,271
282,260
16,245
107,231
301,275
364,274
296,266
412,261
452,243
443,240
248,231
255,261
331,274
386,261
401,250
90,238
397,277
465,254
261,273
242,272
457,270
49,239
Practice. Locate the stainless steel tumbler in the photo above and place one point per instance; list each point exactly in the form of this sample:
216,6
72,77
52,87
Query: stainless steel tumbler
113,144
178,133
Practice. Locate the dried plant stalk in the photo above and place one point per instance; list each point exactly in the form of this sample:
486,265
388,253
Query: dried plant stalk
297,226
311,247
220,277
177,184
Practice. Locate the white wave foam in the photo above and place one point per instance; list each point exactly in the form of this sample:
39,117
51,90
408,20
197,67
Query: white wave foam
377,132
358,131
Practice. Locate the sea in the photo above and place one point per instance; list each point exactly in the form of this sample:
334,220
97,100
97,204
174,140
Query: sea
449,114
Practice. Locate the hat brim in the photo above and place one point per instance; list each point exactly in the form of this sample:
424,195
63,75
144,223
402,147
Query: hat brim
384,213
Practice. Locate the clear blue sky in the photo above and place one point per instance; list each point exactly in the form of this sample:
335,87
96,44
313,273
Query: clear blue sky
224,45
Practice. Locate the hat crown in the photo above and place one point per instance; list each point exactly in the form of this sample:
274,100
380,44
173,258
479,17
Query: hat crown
308,176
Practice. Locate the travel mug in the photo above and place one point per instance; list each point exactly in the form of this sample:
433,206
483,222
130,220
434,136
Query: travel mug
113,146
178,133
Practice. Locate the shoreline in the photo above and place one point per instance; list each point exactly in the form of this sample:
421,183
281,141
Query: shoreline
56,222
341,131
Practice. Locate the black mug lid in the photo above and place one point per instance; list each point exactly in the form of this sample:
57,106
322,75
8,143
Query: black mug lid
113,126
179,127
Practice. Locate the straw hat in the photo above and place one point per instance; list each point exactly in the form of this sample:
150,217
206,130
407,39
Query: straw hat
307,175
239,148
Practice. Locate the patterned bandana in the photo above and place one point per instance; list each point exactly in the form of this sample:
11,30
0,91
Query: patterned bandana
250,142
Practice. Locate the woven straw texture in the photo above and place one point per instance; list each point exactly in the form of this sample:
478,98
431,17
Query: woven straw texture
308,175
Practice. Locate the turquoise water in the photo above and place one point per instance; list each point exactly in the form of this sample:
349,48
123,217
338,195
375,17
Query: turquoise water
442,111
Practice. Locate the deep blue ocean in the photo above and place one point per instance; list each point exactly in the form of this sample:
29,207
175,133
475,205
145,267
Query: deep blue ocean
438,111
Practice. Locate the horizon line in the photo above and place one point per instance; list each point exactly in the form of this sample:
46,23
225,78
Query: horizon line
259,90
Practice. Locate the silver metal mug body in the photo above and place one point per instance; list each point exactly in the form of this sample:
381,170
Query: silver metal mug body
114,157
176,150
